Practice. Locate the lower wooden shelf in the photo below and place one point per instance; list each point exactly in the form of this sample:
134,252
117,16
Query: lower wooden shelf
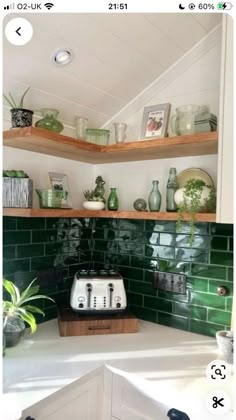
15,212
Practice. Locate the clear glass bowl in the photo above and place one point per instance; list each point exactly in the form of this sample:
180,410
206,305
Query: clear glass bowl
97,136
51,199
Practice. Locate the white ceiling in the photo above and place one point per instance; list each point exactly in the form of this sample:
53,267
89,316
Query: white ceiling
116,56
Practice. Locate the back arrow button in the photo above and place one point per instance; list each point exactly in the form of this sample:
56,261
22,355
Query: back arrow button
17,31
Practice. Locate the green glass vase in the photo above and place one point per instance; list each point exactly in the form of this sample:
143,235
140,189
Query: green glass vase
154,199
113,202
49,120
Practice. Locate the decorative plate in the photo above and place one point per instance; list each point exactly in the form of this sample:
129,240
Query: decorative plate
195,173
140,204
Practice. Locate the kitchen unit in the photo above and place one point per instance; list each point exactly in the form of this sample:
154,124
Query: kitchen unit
163,360
135,376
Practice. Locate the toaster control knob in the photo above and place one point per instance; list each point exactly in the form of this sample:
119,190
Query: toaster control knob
81,299
117,298
81,305
118,305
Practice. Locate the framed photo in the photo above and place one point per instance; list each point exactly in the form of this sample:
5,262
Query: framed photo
155,121
59,182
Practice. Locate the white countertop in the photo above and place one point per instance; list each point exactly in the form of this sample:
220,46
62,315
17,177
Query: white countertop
173,360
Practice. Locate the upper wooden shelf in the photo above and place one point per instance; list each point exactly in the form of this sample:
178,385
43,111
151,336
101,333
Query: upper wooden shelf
14,212
49,143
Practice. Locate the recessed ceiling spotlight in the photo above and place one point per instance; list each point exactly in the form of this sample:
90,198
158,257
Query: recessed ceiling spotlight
62,56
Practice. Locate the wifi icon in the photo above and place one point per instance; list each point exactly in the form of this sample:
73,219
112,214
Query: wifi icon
49,5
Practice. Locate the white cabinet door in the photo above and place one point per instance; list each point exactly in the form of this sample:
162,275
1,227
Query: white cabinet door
225,150
131,403
81,400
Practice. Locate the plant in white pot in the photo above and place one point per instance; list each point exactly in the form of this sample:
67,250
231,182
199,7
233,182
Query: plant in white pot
18,310
20,116
195,197
93,201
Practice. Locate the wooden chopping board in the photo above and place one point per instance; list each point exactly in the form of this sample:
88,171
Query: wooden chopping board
73,324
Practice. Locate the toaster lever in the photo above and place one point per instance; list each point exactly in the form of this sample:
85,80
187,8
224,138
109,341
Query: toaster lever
89,290
111,289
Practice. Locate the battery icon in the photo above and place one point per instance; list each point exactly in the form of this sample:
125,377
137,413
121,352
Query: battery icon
224,6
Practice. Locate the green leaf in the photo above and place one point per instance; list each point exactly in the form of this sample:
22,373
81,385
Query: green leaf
13,101
29,291
30,320
8,101
37,297
22,98
35,309
11,289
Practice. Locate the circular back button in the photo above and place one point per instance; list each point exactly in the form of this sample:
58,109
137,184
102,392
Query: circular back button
18,31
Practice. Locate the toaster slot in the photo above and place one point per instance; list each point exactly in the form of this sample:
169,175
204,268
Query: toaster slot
89,293
111,289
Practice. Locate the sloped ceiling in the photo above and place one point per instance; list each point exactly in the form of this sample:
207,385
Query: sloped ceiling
116,56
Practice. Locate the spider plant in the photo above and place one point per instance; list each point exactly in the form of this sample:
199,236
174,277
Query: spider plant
18,306
12,102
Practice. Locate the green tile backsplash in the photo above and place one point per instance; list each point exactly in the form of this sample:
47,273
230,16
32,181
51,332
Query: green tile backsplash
135,248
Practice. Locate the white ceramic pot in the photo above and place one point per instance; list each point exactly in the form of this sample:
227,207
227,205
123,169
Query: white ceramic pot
225,341
179,196
93,205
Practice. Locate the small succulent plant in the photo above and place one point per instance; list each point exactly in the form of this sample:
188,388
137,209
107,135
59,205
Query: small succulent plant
90,195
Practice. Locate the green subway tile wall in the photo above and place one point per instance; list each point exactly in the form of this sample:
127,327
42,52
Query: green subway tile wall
135,248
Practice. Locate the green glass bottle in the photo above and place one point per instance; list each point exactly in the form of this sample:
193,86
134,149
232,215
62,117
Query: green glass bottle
154,199
172,187
113,202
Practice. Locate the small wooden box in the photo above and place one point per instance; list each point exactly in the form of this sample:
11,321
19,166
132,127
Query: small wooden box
73,324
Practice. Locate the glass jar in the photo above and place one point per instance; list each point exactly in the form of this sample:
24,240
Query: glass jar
49,120
172,187
183,122
120,132
81,125
154,199
113,202
97,136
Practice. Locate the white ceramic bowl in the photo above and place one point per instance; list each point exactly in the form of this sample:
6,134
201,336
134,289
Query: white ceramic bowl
93,205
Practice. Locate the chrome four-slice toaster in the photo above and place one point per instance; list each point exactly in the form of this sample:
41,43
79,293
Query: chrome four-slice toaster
98,292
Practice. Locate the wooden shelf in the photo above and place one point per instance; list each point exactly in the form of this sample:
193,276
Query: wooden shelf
14,212
49,143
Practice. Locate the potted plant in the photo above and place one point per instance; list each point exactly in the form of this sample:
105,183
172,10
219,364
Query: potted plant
195,197
93,201
20,117
17,311
17,189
